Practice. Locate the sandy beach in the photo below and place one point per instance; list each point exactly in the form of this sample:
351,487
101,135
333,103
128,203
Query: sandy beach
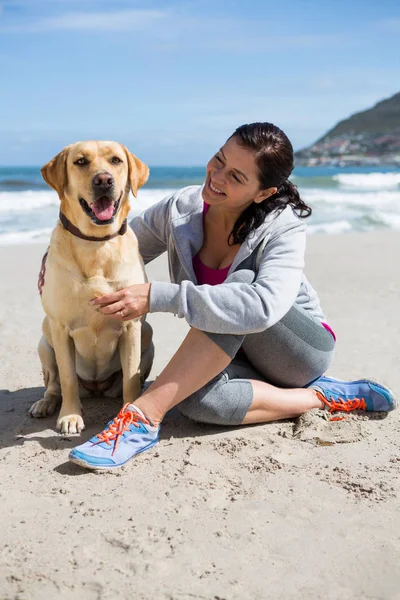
303,509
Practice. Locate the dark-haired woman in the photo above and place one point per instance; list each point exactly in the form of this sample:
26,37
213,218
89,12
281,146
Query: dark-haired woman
258,343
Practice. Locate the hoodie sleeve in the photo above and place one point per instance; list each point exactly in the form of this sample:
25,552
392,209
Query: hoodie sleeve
151,228
246,302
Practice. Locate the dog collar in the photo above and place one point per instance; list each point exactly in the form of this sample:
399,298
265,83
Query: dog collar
75,231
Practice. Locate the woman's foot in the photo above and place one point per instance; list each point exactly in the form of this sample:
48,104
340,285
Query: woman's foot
346,396
127,435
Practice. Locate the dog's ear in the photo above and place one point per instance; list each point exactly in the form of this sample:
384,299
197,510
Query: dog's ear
138,171
55,172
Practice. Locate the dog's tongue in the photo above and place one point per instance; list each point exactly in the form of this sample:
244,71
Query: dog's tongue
103,208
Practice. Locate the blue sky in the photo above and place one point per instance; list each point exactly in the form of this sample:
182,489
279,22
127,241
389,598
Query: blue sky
172,80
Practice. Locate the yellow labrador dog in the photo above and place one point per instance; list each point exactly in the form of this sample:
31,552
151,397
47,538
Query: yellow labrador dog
92,252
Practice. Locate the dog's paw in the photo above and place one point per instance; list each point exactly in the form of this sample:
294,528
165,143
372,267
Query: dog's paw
70,424
44,407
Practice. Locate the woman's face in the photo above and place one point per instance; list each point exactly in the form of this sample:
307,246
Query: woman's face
232,178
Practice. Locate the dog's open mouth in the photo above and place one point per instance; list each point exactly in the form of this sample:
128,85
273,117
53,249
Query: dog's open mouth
102,211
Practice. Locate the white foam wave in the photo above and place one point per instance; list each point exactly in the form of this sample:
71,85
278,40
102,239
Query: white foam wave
391,220
26,201
32,200
146,198
337,210
367,198
16,202
334,227
375,181
36,236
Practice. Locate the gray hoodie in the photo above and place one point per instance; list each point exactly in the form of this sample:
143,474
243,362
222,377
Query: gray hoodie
257,292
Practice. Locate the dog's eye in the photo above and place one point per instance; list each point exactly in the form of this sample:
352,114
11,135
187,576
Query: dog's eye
115,160
81,161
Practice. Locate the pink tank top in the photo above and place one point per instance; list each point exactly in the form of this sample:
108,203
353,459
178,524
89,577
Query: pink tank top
206,274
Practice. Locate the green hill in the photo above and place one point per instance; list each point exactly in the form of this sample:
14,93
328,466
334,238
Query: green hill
384,117
370,136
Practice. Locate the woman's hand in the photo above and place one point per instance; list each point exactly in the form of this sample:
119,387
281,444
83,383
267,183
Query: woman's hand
127,304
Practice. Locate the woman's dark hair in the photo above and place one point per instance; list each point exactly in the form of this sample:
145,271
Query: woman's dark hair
274,159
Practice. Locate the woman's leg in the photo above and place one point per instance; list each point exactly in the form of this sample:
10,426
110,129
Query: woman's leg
292,353
270,403
201,358
254,387
239,395
309,352
195,363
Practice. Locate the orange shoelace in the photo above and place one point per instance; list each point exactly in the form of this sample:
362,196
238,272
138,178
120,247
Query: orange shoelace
121,423
342,405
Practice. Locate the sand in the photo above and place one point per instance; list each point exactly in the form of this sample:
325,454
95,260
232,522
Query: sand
299,509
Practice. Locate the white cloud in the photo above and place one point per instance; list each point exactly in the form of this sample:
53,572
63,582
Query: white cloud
123,20
175,30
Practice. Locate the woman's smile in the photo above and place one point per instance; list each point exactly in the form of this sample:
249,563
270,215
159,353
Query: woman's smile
215,189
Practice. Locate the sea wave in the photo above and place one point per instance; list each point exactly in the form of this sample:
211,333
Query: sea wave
146,198
36,236
29,216
369,181
26,201
25,216
19,185
333,227
390,219
357,198
33,200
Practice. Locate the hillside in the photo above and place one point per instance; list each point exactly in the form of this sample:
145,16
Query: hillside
368,137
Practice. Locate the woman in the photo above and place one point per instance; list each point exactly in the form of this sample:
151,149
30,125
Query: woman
258,343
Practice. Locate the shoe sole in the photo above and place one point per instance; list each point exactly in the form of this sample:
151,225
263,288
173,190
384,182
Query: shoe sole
395,401
83,463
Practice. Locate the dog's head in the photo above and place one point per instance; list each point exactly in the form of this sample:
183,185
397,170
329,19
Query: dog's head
93,180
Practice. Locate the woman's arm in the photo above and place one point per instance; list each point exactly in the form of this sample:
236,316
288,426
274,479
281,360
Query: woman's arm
244,303
151,229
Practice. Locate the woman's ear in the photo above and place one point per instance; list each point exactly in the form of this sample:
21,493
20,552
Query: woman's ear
138,171
264,194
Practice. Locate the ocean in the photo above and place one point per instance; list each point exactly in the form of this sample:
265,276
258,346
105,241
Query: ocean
343,199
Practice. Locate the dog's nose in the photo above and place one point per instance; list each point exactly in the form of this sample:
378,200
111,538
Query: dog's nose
103,180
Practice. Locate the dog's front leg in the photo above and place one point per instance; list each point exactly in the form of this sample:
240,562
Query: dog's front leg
129,351
70,417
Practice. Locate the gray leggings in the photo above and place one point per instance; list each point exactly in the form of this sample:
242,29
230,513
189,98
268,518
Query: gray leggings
290,354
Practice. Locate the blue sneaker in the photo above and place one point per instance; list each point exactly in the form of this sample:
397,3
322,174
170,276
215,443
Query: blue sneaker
127,435
346,396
